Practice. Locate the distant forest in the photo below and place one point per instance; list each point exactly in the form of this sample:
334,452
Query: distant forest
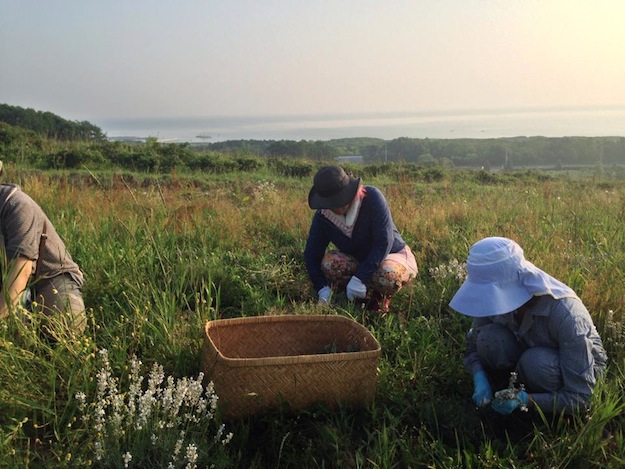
45,140
49,125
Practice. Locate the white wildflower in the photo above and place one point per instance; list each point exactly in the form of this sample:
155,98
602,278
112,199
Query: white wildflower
165,405
452,270
191,455
127,458
220,431
227,439
178,446
98,450
134,391
81,397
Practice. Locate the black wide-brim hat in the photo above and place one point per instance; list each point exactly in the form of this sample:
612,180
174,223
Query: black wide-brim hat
332,188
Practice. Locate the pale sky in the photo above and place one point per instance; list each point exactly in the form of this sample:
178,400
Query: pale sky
88,59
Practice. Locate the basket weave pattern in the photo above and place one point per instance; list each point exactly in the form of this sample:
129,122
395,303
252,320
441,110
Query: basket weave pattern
263,362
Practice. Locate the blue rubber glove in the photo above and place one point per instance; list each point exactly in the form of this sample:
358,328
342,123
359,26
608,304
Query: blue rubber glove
507,406
324,295
482,394
27,299
355,289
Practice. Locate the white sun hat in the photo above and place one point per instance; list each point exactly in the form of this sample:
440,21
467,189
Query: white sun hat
500,280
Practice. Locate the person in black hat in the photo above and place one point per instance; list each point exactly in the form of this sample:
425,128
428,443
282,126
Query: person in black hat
372,261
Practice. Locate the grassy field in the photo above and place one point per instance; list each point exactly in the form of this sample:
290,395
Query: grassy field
164,255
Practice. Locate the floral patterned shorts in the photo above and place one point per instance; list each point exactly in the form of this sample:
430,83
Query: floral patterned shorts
390,277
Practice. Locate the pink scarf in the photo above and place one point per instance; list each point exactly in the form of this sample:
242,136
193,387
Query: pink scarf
346,222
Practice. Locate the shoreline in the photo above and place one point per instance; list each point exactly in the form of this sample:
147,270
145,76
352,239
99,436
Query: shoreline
552,123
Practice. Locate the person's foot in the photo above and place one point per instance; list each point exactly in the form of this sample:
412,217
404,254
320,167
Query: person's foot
383,306
379,303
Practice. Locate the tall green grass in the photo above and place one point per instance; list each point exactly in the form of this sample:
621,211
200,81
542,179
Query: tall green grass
164,255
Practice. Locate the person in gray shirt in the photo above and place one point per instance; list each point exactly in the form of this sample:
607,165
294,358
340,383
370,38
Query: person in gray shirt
529,323
37,270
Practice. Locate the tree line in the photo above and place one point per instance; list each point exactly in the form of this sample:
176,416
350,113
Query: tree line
488,153
45,140
48,124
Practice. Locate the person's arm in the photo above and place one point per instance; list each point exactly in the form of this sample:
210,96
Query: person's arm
482,391
471,360
316,245
382,233
16,280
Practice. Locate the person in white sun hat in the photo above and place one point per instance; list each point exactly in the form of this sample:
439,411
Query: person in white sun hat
529,323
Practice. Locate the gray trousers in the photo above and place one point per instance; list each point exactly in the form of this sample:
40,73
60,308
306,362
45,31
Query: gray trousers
538,368
60,299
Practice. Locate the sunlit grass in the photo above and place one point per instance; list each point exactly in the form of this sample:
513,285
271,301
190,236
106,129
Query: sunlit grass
162,257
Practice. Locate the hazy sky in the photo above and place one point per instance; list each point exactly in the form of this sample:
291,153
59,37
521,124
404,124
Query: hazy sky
87,59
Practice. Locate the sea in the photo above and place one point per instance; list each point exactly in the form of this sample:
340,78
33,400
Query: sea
584,122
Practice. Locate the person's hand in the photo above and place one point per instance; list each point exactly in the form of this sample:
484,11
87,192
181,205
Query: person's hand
324,295
482,394
506,406
355,289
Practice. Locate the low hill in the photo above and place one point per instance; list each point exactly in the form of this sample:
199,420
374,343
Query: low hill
49,125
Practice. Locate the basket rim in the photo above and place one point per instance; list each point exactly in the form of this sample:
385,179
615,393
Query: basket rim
297,359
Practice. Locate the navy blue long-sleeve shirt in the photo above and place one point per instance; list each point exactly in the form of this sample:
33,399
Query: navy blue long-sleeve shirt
374,236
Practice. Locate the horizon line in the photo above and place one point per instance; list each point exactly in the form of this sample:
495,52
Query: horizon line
347,114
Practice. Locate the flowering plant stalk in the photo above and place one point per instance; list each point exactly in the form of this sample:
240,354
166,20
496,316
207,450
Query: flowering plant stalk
453,270
447,278
154,421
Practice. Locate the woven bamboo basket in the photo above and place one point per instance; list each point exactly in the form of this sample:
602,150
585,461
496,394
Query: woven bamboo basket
263,362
